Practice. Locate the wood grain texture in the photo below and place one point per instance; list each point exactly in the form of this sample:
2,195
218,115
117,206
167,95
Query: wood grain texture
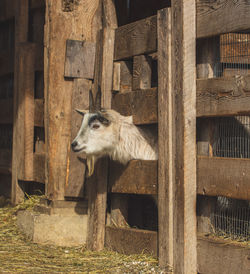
135,38
119,210
39,113
5,161
183,66
39,167
77,25
141,104
165,135
223,177
6,111
77,166
138,177
109,14
131,240
141,72
222,256
223,96
216,17
21,36
80,59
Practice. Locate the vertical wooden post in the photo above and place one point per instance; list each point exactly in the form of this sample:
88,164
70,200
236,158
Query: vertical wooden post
97,189
78,24
165,133
184,135
21,36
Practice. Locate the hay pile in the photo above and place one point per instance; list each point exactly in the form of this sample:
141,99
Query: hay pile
19,255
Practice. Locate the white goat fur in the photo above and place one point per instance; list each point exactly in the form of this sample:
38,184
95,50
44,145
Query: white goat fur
121,139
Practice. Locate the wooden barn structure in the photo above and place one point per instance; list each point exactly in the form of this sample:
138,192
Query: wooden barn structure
156,61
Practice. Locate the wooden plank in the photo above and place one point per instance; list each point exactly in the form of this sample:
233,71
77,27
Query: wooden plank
227,177
109,14
138,177
6,111
5,161
76,172
217,256
97,196
21,36
7,9
141,72
217,17
223,96
135,38
58,91
80,59
39,113
39,167
183,88
119,210
131,240
122,76
141,104
165,135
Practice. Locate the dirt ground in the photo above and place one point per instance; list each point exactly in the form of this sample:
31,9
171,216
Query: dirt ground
19,255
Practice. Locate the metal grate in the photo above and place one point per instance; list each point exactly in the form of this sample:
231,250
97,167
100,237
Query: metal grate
232,137
231,218
234,54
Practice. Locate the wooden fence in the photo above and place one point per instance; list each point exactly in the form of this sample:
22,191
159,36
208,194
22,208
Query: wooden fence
172,106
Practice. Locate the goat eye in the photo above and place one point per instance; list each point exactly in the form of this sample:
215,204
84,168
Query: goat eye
95,126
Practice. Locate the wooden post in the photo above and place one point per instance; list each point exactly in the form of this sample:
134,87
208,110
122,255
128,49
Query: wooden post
166,134
141,72
78,24
184,135
21,36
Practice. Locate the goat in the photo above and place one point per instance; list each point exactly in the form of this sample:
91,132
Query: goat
105,132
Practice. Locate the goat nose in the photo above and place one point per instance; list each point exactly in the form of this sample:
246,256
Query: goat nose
74,144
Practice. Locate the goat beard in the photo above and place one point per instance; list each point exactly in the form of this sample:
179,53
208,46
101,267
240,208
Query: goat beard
91,165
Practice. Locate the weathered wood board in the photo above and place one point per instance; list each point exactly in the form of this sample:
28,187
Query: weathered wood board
138,177
141,104
80,59
223,176
131,240
136,38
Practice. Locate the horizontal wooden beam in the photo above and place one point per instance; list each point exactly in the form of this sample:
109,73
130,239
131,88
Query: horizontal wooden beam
227,177
227,96
141,104
6,111
131,240
39,113
136,38
138,177
217,17
39,167
215,255
5,161
222,256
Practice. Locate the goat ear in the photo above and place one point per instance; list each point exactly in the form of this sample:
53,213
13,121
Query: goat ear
91,102
98,99
81,111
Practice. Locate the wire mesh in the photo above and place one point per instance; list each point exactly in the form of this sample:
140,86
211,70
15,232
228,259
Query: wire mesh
231,218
